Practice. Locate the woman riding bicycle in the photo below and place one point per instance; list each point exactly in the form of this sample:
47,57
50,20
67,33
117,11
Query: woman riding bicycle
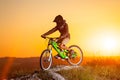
64,38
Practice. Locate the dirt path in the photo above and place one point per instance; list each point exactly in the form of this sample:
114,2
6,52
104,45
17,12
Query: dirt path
28,77
52,72
57,76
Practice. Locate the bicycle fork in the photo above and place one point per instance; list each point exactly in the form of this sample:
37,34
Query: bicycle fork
50,55
49,47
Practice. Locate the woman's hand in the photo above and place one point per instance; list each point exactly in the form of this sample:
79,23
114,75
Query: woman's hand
43,36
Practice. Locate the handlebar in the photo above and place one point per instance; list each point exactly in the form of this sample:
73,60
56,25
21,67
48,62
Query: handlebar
51,37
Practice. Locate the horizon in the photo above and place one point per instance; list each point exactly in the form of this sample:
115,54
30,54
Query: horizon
53,57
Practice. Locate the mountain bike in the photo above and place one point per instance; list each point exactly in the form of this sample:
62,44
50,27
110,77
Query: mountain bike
46,56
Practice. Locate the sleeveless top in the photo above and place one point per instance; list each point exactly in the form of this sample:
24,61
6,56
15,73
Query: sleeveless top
63,30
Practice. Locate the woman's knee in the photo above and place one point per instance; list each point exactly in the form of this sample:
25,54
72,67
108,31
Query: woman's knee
62,45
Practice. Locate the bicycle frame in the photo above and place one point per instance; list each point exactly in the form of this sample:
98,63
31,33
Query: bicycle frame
55,45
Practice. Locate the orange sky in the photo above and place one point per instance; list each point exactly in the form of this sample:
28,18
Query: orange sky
92,24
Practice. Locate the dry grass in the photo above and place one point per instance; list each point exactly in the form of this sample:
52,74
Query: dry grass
23,66
95,68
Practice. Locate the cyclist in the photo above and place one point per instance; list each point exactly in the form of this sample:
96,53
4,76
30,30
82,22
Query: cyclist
64,38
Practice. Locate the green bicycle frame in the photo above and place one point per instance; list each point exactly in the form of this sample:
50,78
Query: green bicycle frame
56,47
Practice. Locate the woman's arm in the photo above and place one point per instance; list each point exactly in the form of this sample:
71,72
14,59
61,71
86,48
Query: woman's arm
50,31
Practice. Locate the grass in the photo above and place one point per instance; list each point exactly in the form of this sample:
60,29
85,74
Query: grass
23,66
92,73
95,68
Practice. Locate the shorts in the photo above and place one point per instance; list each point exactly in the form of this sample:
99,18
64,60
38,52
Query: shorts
65,41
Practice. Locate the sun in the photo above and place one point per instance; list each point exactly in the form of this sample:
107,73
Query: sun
109,44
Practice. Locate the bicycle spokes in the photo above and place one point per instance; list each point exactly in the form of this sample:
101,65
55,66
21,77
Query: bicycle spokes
75,57
45,60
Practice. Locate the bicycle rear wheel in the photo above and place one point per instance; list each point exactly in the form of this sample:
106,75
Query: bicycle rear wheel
45,60
76,57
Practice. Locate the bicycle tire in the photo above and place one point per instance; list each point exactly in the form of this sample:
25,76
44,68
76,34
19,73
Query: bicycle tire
46,52
79,58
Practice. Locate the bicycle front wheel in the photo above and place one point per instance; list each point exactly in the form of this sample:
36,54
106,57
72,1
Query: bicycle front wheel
77,57
45,60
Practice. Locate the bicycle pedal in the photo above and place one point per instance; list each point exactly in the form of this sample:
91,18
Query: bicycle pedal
57,57
63,59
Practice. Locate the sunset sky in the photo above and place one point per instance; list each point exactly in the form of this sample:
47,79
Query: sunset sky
94,25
